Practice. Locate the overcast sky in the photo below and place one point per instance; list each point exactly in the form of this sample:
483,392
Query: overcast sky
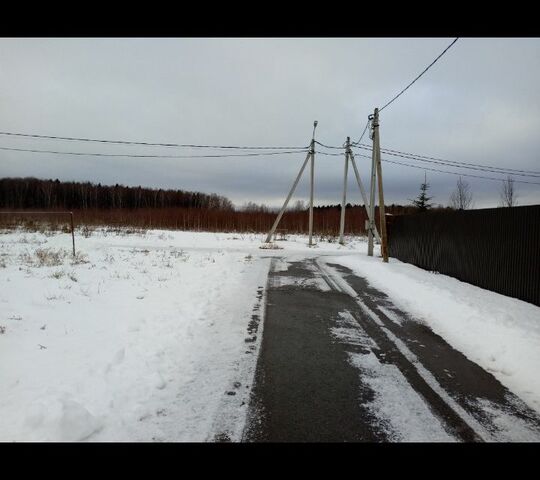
479,103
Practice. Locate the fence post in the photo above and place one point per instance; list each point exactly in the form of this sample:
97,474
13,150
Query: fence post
72,233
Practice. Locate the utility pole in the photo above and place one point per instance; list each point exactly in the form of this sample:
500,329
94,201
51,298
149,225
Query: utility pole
343,203
377,157
371,222
312,149
310,154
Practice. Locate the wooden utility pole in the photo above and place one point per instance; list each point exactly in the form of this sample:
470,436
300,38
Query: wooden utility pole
343,203
371,222
312,150
377,157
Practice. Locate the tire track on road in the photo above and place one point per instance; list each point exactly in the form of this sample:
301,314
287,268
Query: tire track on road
458,422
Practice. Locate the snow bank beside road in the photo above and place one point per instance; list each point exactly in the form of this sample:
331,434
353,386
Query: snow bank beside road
499,333
137,344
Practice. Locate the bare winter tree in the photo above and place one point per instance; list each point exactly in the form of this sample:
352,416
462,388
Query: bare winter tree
461,198
508,193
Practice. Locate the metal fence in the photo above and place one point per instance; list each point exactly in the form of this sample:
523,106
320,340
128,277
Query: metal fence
497,249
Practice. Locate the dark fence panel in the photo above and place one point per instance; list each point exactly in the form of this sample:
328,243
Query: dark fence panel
496,248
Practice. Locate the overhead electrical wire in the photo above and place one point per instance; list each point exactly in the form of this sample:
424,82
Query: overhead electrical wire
125,142
363,133
453,163
425,70
458,173
385,150
328,146
398,153
151,156
446,171
330,154
439,161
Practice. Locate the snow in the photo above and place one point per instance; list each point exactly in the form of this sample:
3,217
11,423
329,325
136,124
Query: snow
150,336
499,333
400,411
144,337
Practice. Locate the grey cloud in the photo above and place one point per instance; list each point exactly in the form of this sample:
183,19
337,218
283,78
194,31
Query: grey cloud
478,104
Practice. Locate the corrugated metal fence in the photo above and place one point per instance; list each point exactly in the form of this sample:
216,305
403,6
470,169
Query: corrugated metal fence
496,248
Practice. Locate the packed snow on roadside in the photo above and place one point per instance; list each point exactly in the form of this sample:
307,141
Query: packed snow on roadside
141,337
499,333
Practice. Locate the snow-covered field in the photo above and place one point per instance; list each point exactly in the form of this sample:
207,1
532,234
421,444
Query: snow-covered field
142,338
146,336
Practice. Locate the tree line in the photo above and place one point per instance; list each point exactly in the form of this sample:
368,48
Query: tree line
118,205
325,219
95,204
31,192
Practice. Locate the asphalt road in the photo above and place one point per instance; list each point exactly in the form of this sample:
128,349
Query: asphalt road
339,362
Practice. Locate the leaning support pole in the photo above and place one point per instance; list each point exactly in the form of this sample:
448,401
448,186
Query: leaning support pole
364,196
282,211
344,201
377,151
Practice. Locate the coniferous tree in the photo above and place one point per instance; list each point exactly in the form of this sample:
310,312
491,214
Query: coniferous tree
422,201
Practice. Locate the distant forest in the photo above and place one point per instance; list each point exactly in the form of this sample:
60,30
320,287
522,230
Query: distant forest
169,209
46,194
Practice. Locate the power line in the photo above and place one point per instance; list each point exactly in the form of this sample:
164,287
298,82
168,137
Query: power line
151,156
459,163
453,163
425,70
331,154
124,142
458,173
446,171
328,146
450,163
363,133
